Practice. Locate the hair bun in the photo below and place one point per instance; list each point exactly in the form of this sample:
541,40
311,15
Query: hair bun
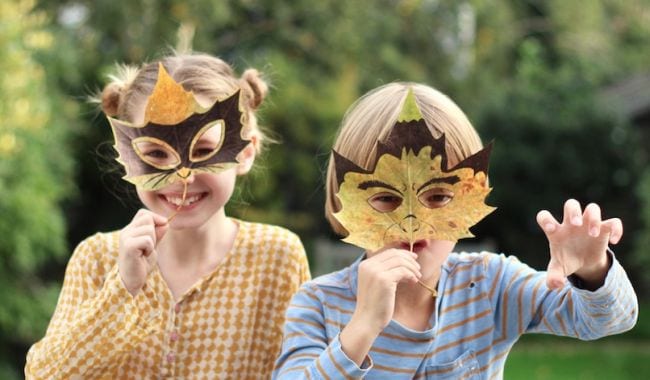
259,88
111,98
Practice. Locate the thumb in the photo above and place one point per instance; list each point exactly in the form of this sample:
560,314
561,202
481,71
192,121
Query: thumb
161,230
555,276
161,226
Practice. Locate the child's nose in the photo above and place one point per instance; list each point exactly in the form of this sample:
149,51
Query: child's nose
186,174
410,223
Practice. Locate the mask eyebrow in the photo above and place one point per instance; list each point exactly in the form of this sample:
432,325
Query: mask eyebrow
450,180
368,184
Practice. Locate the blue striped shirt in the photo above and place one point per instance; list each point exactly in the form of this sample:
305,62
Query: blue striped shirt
486,301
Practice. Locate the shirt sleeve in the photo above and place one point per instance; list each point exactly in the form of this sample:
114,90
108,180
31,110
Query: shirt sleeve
306,352
525,304
95,324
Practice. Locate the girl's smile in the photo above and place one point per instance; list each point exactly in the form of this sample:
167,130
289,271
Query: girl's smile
175,200
207,194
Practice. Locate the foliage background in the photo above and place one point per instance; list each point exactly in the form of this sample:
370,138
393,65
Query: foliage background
538,77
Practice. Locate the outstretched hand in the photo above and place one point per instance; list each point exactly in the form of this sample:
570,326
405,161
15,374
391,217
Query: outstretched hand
578,245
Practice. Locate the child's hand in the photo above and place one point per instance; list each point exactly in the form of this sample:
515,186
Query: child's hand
376,287
377,284
579,244
137,253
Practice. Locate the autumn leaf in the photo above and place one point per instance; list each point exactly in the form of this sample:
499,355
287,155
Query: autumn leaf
410,194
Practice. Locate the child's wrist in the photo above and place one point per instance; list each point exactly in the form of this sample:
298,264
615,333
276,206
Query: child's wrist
365,326
593,275
357,337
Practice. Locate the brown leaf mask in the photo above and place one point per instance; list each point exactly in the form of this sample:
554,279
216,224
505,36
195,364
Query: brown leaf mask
166,147
411,194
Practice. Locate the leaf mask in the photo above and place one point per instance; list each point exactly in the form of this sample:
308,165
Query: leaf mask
178,137
411,194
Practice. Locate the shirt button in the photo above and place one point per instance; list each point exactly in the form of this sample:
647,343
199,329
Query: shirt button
177,308
171,357
173,336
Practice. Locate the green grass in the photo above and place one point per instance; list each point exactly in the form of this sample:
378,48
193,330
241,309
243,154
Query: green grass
624,356
562,358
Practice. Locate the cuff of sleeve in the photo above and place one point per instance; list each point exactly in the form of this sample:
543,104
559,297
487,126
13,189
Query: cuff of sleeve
604,293
346,365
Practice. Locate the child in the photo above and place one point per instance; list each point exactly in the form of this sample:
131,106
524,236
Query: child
406,180
182,291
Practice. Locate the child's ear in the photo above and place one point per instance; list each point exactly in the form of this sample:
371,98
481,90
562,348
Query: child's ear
246,158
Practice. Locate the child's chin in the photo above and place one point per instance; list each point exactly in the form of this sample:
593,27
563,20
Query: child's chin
181,222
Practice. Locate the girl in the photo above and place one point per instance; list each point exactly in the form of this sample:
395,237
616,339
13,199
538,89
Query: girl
183,290
406,180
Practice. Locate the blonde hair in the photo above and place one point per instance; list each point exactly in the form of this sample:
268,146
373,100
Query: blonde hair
371,118
202,74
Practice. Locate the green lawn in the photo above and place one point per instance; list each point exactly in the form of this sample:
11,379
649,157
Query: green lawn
562,358
625,356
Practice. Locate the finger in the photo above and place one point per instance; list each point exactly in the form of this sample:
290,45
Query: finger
140,217
572,213
555,276
400,261
547,222
144,216
140,212
378,255
408,253
396,252
143,230
159,220
592,219
161,231
146,226
615,228
400,274
391,252
143,244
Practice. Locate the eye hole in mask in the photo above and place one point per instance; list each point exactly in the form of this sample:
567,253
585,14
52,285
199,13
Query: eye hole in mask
207,141
156,153
435,197
385,201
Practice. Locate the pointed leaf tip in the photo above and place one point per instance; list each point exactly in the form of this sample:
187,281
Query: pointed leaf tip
410,110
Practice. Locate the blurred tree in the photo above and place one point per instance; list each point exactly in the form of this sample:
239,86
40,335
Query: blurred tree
35,169
553,143
607,38
606,42
642,258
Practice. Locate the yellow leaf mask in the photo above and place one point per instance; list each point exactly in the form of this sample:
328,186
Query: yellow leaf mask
411,194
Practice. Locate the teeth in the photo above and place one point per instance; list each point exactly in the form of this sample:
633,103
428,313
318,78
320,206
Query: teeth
178,201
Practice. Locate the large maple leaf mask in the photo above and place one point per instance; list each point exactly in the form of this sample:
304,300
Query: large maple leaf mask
411,193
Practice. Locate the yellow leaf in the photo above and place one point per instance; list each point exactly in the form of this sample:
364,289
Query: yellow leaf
410,194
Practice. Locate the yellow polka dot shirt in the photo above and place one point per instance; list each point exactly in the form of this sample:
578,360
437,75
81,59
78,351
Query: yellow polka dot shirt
228,325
